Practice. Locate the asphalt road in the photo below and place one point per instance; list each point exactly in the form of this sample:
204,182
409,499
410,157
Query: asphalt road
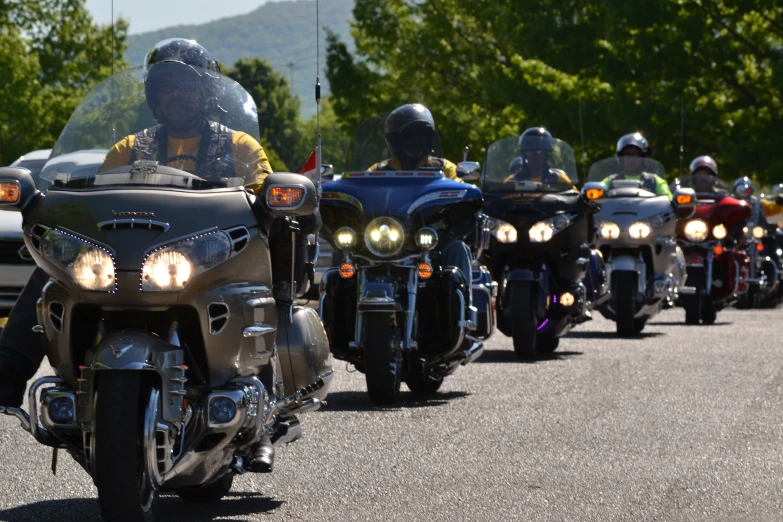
681,424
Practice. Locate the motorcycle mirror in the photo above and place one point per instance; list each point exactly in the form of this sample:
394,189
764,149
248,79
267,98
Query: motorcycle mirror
469,170
17,188
288,194
327,172
594,190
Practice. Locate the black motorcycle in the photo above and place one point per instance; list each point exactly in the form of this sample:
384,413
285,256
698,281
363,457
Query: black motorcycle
392,307
539,251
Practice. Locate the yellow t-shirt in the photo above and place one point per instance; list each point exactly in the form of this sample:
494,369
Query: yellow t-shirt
562,178
770,208
250,161
449,168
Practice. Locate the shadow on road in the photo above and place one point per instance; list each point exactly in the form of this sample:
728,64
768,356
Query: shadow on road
360,401
682,323
171,509
508,356
610,335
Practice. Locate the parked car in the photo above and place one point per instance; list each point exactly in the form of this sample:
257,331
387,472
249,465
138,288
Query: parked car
16,264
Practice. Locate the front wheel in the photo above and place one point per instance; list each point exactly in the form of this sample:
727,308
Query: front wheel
524,322
692,305
125,489
421,384
624,289
382,359
708,312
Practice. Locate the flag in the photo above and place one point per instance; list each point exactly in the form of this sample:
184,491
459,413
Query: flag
310,168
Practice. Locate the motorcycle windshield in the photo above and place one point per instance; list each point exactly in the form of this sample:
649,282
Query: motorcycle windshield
705,185
627,176
205,124
545,166
370,146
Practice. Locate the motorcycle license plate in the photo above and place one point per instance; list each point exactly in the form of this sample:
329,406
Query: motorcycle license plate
695,259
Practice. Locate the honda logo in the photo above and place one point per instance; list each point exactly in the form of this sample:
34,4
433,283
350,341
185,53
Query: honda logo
25,254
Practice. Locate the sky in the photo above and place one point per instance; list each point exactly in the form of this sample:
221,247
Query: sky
149,15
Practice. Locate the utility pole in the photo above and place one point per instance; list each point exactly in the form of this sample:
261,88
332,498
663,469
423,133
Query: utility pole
291,66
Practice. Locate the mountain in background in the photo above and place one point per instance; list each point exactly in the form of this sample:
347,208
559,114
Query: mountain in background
282,32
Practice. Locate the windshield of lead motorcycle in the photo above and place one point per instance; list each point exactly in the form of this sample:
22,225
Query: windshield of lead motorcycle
371,147
705,185
627,172
539,165
194,120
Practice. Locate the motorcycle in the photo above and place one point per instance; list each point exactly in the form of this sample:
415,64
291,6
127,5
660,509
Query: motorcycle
636,235
712,239
174,336
539,249
391,307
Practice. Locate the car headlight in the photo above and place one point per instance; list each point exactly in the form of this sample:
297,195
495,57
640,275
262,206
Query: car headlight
639,230
426,238
609,230
171,268
696,230
719,232
90,266
543,231
502,231
759,232
345,238
384,236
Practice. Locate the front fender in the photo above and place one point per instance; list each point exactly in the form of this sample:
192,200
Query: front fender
137,351
624,263
377,294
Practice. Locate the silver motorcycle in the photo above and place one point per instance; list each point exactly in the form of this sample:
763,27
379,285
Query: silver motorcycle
636,237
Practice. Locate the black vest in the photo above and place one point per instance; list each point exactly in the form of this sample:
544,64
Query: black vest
215,155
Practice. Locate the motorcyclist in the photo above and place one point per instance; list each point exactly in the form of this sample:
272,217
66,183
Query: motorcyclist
743,188
410,132
631,151
536,145
704,172
180,79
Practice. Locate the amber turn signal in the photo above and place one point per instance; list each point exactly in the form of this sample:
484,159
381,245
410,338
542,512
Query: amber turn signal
425,270
285,196
592,194
759,247
347,270
9,192
718,250
684,199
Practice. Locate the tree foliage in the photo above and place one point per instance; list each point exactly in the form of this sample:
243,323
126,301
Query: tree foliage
490,68
51,55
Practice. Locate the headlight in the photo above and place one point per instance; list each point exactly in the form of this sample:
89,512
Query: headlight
719,231
384,236
171,268
503,232
759,232
345,238
696,230
426,238
543,231
609,230
90,266
639,230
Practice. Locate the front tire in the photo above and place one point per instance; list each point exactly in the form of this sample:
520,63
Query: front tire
382,359
624,290
547,343
420,384
708,312
524,323
692,305
125,489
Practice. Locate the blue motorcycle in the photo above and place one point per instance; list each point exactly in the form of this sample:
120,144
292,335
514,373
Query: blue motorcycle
391,307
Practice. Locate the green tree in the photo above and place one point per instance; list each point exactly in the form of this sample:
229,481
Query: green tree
278,109
490,68
335,142
51,55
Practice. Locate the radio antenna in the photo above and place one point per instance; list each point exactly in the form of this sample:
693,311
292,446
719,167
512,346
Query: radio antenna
582,133
682,131
113,130
317,100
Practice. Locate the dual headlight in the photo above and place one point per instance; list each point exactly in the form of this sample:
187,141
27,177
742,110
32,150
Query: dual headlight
169,268
540,232
384,237
638,230
698,230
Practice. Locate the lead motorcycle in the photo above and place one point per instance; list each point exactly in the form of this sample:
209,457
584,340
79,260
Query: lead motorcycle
712,239
174,337
636,232
539,252
391,307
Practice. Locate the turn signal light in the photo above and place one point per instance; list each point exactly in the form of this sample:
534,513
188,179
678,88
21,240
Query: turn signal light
425,270
594,194
684,199
9,192
280,197
347,270
759,247
718,250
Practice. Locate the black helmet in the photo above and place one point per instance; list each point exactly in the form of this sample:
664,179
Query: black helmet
704,162
410,132
743,187
536,138
634,140
181,58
